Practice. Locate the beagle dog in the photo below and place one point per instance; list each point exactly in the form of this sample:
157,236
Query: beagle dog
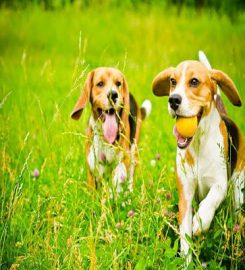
114,126
214,154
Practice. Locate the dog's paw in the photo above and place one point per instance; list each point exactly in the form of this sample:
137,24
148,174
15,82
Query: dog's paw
200,224
196,225
120,176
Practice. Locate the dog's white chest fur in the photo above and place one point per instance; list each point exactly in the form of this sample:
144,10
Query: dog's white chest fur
208,153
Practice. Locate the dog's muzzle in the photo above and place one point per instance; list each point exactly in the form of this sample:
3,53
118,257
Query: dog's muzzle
112,96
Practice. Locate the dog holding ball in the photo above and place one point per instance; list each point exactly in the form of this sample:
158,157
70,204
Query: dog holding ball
210,149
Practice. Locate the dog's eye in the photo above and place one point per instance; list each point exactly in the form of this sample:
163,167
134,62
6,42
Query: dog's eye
100,84
194,82
118,83
173,82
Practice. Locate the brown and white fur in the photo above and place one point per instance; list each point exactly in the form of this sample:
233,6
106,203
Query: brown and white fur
202,161
114,126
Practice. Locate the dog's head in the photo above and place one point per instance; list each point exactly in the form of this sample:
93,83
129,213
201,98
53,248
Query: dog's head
191,88
107,91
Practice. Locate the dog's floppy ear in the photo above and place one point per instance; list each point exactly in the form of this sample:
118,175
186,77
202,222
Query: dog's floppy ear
161,83
84,97
227,86
125,114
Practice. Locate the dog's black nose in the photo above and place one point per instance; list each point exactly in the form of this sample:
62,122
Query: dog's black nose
174,101
113,95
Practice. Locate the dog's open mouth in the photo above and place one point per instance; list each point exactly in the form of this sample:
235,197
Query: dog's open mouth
184,140
110,124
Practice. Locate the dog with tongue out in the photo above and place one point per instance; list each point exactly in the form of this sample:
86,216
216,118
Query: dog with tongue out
114,127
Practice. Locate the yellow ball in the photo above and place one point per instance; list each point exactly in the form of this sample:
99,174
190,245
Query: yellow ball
186,126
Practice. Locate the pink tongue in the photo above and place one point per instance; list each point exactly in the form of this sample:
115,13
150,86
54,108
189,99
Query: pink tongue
110,128
179,138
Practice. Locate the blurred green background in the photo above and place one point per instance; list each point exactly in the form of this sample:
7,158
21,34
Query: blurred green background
46,50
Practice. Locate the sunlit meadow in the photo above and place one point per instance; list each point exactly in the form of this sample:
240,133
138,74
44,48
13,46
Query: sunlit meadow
48,217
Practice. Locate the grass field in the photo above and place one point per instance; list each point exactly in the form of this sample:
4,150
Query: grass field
53,221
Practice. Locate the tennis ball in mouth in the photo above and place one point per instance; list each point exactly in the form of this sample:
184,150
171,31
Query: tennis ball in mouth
186,126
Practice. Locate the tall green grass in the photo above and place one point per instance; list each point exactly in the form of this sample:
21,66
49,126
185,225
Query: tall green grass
53,221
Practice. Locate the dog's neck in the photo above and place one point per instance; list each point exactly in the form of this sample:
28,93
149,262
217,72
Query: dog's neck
208,129
95,125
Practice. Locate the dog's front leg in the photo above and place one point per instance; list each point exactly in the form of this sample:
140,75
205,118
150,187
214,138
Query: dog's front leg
133,161
186,190
120,176
238,186
208,206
